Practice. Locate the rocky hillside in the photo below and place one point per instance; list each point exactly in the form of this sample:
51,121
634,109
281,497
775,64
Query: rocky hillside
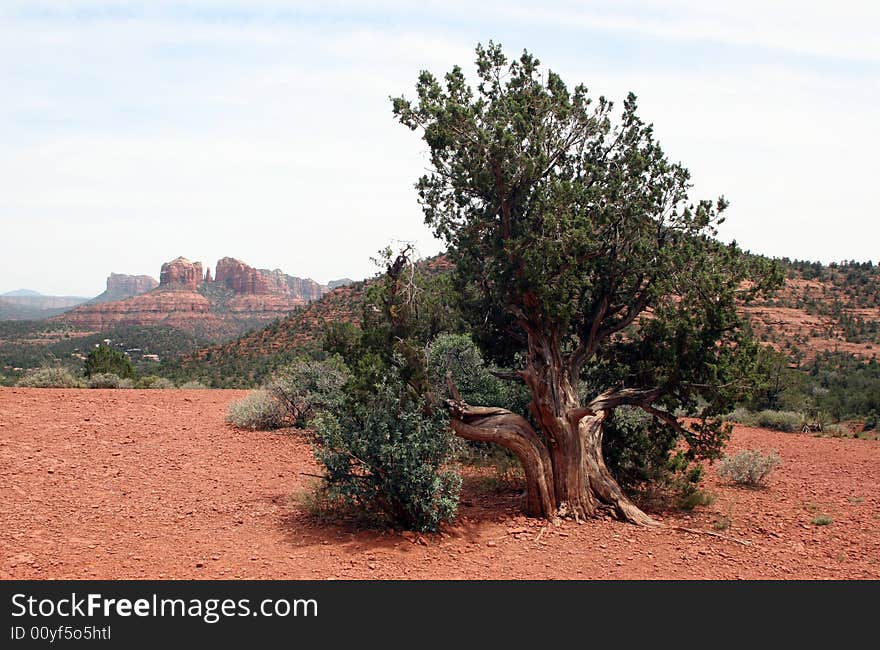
236,298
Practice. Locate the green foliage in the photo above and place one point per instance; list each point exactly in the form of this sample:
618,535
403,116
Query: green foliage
105,360
749,467
387,455
193,385
154,381
308,386
821,520
50,378
786,421
258,410
458,355
109,380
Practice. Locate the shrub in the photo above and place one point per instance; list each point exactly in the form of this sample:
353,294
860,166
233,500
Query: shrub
104,359
259,410
307,386
786,421
109,380
388,456
50,378
193,385
639,452
749,467
153,381
821,520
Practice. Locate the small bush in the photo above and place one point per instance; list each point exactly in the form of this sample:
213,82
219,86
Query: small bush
152,381
193,385
50,378
259,410
786,421
307,386
109,380
821,520
388,457
749,467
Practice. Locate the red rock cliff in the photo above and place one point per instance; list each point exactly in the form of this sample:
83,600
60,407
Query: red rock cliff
181,274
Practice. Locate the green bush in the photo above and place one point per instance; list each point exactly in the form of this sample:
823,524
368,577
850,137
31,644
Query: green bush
153,381
749,467
786,421
105,360
388,456
109,380
50,378
308,386
258,410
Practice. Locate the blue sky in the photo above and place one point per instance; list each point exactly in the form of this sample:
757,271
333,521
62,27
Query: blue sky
136,132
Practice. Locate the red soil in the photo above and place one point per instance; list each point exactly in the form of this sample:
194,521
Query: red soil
153,484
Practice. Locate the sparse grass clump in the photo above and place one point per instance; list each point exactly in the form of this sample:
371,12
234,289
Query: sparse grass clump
193,385
258,410
153,381
786,421
50,378
821,520
749,467
109,380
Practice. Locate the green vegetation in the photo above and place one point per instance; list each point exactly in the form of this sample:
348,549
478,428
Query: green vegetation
821,520
50,378
565,224
105,360
154,382
258,410
109,380
749,467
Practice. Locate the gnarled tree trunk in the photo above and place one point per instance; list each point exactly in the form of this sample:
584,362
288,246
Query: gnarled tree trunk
565,469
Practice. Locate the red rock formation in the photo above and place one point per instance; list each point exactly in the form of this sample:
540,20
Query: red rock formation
241,278
208,279
181,274
121,286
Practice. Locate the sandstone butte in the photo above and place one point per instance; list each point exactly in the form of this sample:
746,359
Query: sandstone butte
236,298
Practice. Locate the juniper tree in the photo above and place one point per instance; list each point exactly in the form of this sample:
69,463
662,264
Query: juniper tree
578,251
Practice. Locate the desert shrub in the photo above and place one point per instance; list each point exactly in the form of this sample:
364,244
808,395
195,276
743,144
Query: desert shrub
786,421
258,410
153,381
821,520
105,360
193,385
388,456
640,452
308,386
749,467
109,380
50,378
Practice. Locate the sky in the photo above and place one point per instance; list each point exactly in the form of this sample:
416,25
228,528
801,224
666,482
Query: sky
132,133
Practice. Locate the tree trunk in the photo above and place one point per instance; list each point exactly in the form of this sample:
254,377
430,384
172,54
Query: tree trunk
565,469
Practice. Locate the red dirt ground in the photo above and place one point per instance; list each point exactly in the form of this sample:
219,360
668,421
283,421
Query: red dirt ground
152,484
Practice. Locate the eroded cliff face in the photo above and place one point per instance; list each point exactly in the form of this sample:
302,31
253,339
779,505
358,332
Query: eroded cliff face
247,281
121,286
181,274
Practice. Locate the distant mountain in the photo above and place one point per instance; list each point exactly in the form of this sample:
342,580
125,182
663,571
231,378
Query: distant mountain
17,305
20,292
335,284
237,298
